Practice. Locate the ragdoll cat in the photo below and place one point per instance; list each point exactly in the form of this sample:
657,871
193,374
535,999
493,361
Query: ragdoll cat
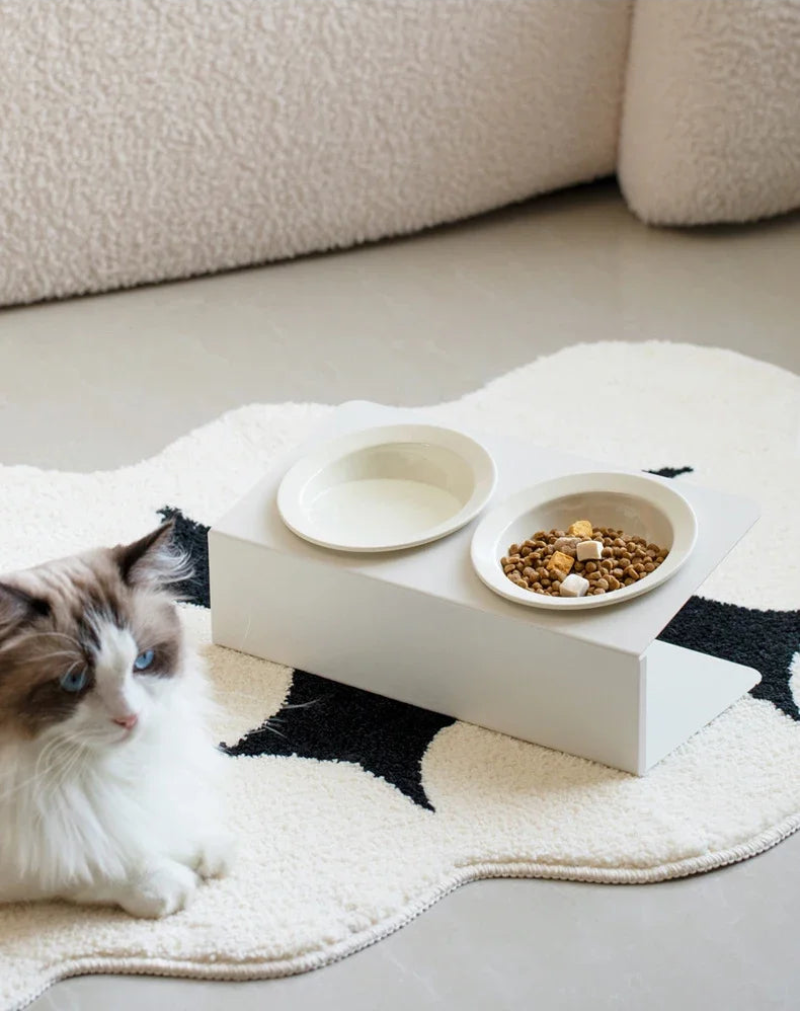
108,773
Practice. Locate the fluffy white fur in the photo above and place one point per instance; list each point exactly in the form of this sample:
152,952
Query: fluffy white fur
95,813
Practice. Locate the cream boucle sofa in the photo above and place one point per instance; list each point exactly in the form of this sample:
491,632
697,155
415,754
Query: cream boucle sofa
151,139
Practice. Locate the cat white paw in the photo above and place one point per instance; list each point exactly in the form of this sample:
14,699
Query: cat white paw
214,857
162,891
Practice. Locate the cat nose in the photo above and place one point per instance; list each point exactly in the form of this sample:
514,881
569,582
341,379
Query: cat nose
129,722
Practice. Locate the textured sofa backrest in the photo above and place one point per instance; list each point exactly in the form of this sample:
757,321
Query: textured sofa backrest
711,130
142,140
150,139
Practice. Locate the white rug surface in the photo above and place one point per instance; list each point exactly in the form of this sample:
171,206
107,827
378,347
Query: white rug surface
336,851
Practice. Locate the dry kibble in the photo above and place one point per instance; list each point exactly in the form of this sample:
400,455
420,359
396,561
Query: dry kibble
602,558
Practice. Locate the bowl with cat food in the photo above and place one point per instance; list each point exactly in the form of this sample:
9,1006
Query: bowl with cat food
387,488
584,540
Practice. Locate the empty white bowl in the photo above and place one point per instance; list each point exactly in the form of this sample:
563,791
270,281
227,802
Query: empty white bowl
645,506
387,488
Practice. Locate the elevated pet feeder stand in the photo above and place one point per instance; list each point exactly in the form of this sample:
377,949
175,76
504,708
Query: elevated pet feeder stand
419,626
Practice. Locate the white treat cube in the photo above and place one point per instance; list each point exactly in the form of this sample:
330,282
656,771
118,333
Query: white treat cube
589,551
574,586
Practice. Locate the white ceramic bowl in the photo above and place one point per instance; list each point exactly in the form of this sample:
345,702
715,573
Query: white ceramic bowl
387,488
649,507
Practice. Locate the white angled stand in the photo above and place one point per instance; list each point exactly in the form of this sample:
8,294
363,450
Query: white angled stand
419,626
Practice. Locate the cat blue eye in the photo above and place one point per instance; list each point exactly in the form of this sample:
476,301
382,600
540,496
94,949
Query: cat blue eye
144,660
74,681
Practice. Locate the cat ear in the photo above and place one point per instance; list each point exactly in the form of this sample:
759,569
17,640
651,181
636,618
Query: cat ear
17,606
152,561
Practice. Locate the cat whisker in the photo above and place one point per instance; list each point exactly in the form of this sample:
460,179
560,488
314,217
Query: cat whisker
57,653
73,767
62,767
59,635
301,705
223,694
37,772
267,725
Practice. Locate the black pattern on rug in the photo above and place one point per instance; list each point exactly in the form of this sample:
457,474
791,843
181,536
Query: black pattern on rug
766,640
331,722
671,471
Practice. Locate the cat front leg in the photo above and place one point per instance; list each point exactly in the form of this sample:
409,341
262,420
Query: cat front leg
213,857
208,851
157,889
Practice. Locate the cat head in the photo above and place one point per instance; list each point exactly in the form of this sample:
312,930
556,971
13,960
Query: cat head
89,644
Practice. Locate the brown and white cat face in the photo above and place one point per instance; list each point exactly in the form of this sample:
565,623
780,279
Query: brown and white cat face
88,643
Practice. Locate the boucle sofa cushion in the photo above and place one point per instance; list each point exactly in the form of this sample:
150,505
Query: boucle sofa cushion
151,139
711,129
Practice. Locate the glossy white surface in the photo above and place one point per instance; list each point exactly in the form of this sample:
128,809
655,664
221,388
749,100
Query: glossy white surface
386,488
638,505
369,510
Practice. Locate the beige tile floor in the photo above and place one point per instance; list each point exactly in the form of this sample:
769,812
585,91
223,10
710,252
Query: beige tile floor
100,382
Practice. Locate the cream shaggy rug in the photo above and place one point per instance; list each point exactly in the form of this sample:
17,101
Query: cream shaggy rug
361,812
